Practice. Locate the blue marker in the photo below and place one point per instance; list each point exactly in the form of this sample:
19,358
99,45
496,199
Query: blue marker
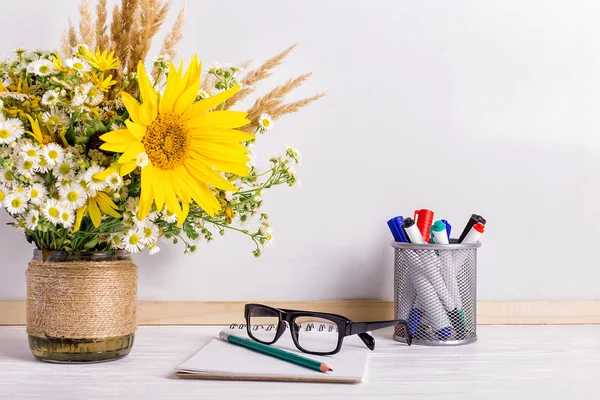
395,225
448,227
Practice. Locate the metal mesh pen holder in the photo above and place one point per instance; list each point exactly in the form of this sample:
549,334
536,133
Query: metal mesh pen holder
435,290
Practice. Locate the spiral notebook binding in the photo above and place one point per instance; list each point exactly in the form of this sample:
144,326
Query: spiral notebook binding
307,327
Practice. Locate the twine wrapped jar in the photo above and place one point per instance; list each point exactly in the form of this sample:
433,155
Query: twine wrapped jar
81,307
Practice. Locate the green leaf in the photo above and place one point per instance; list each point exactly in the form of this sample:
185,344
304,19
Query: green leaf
91,244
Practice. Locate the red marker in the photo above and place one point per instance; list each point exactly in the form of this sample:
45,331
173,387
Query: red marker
475,233
424,221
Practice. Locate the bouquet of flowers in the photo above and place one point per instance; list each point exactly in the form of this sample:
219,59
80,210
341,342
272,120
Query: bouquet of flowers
97,153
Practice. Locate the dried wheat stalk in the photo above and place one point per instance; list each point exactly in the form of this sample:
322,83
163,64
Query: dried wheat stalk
115,27
72,36
64,44
268,101
250,80
121,34
152,16
86,28
169,45
294,106
101,27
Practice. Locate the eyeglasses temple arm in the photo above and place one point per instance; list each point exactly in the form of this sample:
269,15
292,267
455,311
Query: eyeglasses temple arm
360,329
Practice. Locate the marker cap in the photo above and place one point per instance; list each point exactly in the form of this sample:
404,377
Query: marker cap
438,226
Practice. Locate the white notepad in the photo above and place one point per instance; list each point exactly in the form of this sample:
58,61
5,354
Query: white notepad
222,360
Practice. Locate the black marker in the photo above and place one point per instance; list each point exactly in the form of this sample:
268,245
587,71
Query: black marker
472,221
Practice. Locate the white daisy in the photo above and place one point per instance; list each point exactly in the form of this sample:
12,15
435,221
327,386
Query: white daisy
265,121
93,183
3,194
63,182
10,130
51,98
169,217
142,160
43,165
26,168
80,179
132,204
1,107
41,67
30,152
32,220
94,96
53,153
37,194
15,203
149,233
116,241
6,175
55,119
64,169
114,181
153,249
78,65
52,210
67,217
73,196
132,241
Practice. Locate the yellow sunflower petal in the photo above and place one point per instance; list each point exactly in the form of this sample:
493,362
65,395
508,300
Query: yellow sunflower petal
169,96
95,214
186,98
232,152
132,106
136,130
223,166
132,152
147,92
127,168
205,105
219,135
209,176
220,119
78,218
146,198
117,148
120,136
185,209
160,189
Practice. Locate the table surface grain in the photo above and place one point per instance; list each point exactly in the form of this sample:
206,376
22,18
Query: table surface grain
508,363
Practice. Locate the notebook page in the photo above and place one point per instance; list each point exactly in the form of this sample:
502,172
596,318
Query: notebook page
222,358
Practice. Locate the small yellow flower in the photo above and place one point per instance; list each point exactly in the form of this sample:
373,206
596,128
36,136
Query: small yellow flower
101,82
102,61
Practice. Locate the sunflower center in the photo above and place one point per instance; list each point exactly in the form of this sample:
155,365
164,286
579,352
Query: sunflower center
167,141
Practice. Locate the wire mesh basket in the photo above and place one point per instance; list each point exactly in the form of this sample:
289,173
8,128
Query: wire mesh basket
435,290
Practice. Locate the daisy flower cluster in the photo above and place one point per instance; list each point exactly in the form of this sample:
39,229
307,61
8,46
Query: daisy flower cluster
76,153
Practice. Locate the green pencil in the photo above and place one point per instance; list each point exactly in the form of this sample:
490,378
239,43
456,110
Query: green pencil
274,352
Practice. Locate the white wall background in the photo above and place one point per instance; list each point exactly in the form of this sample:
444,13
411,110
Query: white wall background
496,103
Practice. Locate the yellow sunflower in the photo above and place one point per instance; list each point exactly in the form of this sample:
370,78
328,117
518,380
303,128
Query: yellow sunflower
187,145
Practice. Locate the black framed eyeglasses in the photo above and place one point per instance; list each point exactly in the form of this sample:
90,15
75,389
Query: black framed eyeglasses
267,324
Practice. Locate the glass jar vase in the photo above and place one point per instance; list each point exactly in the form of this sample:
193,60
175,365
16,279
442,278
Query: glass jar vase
81,307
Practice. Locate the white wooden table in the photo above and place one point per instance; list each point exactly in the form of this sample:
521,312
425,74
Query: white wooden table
508,363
